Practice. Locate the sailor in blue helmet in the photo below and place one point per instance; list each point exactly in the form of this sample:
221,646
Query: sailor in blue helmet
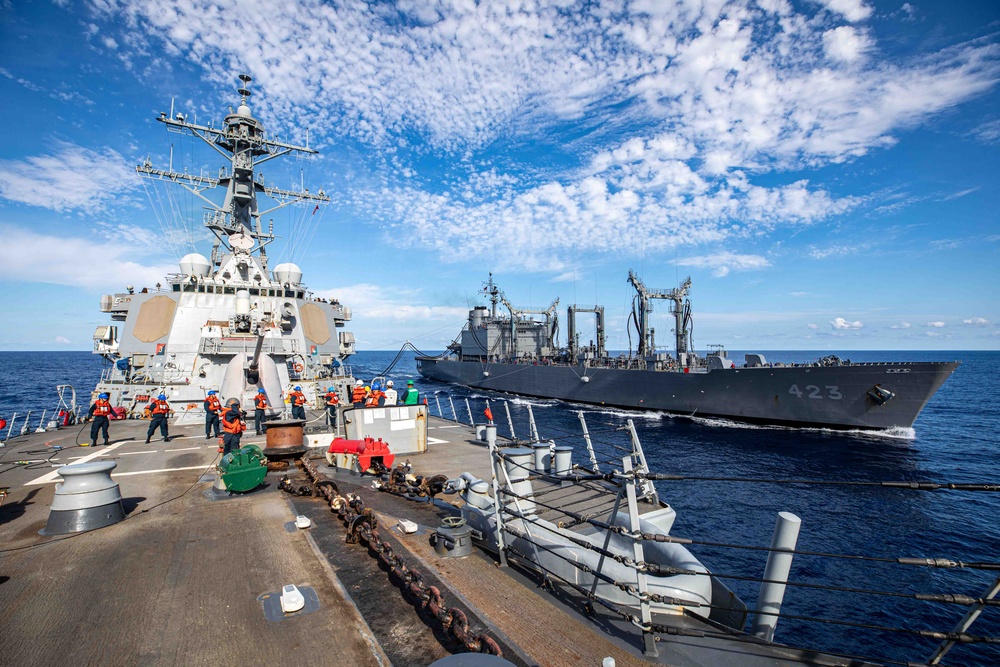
213,410
159,410
260,404
332,401
298,401
100,412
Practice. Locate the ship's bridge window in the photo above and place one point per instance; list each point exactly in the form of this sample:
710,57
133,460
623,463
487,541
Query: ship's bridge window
177,288
289,293
230,290
201,288
300,295
254,291
187,288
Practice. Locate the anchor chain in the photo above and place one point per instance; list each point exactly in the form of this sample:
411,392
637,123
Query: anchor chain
362,527
401,482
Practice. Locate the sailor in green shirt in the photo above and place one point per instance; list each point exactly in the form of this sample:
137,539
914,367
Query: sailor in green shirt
411,395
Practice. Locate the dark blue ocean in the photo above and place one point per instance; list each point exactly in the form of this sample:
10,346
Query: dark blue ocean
956,439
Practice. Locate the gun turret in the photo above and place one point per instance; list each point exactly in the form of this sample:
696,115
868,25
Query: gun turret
253,370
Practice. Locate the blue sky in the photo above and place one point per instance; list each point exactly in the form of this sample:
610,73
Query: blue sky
825,171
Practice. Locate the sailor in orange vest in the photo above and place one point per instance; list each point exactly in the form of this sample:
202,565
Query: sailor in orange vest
233,424
101,413
358,394
298,403
332,401
159,410
260,402
213,408
375,399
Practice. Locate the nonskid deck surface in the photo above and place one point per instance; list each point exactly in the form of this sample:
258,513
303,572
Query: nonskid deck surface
177,582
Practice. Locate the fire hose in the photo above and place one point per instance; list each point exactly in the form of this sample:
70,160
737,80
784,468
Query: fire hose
362,526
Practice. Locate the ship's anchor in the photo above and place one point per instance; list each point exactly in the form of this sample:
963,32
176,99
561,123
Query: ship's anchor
880,394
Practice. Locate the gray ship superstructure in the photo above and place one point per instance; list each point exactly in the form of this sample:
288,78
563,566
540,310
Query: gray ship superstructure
229,322
520,355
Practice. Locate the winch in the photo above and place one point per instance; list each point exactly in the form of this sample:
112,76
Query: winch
360,455
243,470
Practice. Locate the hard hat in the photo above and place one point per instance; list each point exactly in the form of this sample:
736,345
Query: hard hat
211,392
162,397
367,388
329,388
359,383
298,388
102,395
409,382
261,391
389,383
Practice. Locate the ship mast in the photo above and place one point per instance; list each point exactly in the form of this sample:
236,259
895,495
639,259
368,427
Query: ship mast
242,141
680,311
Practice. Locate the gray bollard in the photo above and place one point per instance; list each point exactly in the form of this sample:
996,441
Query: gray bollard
543,458
86,499
518,465
563,460
779,563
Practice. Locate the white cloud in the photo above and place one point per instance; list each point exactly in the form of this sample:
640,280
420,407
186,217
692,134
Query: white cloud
936,325
62,340
722,263
69,178
852,10
812,326
902,325
960,194
976,322
27,256
390,303
677,106
846,44
841,323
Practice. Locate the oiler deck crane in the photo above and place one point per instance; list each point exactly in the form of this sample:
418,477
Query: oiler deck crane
680,308
572,343
551,321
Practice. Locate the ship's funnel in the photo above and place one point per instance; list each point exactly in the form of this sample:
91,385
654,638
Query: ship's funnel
288,273
195,265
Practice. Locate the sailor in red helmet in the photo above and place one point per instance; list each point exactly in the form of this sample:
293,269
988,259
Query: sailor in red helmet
213,408
159,410
100,412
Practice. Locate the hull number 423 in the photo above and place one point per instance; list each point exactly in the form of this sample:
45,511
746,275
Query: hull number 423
831,391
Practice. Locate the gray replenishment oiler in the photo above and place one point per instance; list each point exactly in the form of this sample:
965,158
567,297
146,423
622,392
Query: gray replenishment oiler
517,354
227,323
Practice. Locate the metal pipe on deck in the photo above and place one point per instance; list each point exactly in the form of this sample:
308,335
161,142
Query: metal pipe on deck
531,423
469,408
437,399
510,422
590,445
453,413
779,563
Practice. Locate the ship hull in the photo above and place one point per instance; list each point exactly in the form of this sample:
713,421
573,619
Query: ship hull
804,396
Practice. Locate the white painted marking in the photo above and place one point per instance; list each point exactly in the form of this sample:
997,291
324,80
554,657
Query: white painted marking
453,426
186,449
53,476
150,472
435,441
148,451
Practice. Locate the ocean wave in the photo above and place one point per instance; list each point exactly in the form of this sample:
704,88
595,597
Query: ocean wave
893,433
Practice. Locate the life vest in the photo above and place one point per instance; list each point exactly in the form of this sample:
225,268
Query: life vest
158,407
332,398
358,395
102,408
235,426
411,396
213,404
260,401
298,398
372,400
